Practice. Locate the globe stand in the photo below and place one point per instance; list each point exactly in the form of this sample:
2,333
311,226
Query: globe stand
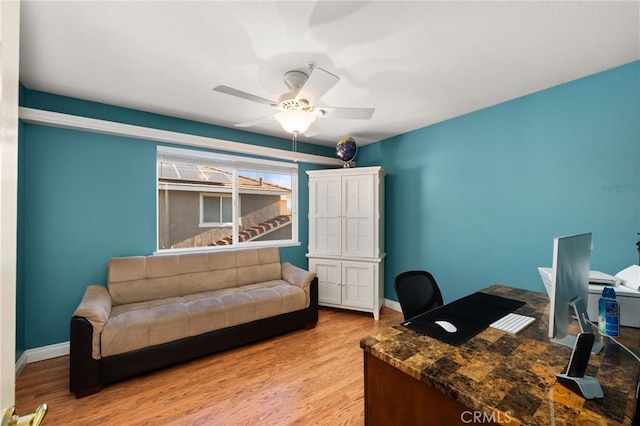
348,164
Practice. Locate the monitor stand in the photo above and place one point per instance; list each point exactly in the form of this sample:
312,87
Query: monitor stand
585,327
587,386
574,378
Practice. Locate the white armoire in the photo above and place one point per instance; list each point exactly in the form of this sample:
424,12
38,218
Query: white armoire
346,237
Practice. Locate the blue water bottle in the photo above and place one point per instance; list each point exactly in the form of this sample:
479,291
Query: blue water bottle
609,313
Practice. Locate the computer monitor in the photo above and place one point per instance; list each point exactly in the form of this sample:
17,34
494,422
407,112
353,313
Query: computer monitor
567,284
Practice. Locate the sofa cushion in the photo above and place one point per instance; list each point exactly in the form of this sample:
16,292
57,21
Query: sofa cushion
138,278
269,255
163,266
129,268
249,303
258,273
138,325
198,282
222,260
142,290
247,257
206,314
194,262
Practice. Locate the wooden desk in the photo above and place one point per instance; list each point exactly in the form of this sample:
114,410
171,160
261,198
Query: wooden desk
412,379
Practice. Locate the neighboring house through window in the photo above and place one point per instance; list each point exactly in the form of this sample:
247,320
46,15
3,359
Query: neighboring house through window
208,200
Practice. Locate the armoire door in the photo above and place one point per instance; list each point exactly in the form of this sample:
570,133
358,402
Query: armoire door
329,280
325,222
358,279
358,212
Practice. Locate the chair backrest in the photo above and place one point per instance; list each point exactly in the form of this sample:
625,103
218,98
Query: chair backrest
417,293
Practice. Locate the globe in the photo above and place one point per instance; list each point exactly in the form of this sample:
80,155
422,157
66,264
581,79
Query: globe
346,149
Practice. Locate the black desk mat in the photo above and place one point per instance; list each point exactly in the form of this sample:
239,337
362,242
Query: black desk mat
470,315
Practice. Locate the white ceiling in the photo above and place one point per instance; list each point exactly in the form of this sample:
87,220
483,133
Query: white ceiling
416,62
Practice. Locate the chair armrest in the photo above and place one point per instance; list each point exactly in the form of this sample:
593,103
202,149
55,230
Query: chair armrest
95,306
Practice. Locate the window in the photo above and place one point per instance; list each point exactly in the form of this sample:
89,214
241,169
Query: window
208,200
216,210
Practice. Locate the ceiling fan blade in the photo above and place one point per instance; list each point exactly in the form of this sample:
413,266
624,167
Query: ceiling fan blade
350,113
255,122
244,95
318,83
312,130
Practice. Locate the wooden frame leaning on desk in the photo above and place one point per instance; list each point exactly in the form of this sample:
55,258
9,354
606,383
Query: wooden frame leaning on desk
494,377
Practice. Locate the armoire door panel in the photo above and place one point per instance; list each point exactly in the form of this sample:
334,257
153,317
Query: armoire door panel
358,239
358,280
325,225
358,211
329,280
358,196
326,197
327,236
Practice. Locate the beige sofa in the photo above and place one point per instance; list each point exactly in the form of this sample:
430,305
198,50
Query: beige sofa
163,309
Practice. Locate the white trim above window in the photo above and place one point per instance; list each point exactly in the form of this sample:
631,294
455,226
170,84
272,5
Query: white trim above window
74,122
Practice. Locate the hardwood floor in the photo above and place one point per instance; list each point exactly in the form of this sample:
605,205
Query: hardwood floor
300,378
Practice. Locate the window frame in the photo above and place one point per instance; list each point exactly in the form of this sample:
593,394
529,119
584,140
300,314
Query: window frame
235,163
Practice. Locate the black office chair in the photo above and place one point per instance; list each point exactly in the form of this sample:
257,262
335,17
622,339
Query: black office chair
417,293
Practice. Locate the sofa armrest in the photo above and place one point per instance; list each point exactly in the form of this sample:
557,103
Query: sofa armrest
297,276
84,371
95,307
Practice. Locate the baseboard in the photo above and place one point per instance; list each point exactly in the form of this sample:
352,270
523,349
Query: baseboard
21,363
40,354
392,304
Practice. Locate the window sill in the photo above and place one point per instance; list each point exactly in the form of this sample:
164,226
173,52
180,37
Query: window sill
240,246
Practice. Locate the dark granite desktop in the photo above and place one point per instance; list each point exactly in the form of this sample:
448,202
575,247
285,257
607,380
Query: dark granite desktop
513,378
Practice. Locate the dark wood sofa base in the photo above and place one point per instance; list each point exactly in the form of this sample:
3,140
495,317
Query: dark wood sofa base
88,375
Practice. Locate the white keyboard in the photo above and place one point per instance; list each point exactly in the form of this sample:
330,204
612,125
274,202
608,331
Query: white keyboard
513,323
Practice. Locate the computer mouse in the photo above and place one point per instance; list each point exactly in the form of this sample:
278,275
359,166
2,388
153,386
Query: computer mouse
447,326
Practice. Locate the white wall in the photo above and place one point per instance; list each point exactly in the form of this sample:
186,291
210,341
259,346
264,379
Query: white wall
9,88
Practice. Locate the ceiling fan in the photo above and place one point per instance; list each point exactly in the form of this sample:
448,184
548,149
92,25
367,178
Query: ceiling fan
297,108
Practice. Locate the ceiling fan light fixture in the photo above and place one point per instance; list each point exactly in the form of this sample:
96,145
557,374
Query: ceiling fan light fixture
296,107
295,121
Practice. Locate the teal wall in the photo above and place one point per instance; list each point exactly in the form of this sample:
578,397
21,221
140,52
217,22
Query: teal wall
87,197
478,199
